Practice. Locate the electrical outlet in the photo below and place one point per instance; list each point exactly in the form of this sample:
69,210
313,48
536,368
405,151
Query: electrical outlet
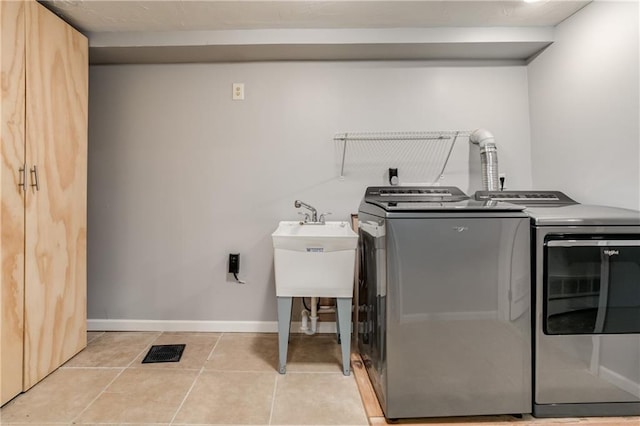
238,92
393,176
234,263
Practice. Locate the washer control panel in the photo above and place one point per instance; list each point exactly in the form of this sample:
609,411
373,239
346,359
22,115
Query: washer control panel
416,194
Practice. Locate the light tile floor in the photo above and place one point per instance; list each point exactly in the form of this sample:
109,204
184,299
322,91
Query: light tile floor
222,378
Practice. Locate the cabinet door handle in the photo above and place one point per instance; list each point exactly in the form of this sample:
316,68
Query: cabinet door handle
23,178
34,177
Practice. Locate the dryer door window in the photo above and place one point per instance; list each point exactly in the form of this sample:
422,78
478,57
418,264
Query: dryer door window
591,285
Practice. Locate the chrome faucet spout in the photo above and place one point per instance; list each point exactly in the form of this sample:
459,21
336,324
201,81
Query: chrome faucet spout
314,213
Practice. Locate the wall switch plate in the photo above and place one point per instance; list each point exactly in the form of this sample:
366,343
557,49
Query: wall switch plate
238,92
234,263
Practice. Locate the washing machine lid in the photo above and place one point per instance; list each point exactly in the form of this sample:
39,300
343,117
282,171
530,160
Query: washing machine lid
430,198
583,215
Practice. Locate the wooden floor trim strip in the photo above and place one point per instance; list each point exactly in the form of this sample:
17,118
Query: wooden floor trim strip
369,399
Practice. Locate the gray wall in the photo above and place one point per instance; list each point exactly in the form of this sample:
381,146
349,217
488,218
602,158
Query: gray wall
585,114
180,175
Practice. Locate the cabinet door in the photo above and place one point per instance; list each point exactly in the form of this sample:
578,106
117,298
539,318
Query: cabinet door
56,144
12,212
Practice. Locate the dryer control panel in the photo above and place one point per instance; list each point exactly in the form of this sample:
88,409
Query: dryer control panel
527,198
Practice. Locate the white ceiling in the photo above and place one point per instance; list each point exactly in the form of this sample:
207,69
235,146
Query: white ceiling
162,30
167,15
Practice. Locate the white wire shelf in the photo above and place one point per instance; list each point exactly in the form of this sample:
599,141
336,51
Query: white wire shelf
419,156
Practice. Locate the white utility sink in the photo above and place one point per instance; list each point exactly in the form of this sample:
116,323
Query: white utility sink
330,237
314,260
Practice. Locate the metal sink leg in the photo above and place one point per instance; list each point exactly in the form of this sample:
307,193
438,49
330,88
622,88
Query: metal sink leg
284,324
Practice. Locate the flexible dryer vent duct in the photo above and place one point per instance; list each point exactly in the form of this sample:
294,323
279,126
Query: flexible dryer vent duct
488,158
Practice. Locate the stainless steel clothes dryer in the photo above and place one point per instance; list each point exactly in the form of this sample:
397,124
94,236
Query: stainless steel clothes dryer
444,321
587,306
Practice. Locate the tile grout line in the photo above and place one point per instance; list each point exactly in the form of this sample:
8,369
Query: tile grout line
111,382
186,395
146,348
273,398
194,381
214,347
75,419
100,334
89,368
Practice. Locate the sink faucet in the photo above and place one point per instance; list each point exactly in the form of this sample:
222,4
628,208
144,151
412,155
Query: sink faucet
314,213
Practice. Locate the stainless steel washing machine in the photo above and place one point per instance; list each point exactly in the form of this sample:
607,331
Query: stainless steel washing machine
587,305
444,321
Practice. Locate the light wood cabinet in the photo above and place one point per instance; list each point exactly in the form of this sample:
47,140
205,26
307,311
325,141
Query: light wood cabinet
12,67
44,64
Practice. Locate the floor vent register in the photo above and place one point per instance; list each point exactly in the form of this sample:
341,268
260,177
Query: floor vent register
164,353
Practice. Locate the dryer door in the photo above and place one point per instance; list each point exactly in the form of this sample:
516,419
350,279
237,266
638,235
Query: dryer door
592,285
587,350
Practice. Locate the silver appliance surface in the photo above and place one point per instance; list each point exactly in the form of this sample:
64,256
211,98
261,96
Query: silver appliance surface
582,214
444,319
429,198
415,193
586,277
528,198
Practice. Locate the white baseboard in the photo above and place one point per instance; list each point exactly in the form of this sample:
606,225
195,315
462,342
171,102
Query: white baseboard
201,326
620,381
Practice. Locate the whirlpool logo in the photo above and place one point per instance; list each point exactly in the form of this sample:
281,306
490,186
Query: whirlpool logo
611,252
